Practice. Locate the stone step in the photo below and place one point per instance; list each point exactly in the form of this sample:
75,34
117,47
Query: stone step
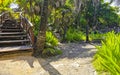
15,48
11,33
13,41
13,36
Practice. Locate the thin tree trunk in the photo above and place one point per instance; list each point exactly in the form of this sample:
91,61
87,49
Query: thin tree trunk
87,33
30,2
42,30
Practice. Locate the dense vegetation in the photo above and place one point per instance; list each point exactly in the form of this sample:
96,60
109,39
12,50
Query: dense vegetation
74,21
107,57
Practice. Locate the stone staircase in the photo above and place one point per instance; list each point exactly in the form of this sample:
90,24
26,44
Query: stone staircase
13,37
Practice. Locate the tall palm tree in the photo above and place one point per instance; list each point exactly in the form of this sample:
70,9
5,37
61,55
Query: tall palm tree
42,29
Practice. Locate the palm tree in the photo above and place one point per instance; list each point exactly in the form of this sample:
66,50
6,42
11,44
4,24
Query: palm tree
42,29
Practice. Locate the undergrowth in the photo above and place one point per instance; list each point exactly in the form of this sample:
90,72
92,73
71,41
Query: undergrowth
96,36
51,45
107,58
73,35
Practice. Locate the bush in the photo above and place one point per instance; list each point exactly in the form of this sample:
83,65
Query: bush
51,40
107,58
50,45
97,36
73,35
51,51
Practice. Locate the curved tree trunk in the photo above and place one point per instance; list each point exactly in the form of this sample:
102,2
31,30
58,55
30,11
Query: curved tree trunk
42,30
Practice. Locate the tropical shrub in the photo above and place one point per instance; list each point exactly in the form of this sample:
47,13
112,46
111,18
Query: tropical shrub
107,58
73,35
51,40
51,45
97,36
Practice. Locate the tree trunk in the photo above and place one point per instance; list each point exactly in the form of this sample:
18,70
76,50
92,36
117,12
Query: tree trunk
87,33
42,30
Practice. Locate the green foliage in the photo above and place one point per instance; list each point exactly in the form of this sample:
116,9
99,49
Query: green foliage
36,22
97,36
73,35
83,20
109,18
99,15
50,45
107,59
51,51
51,40
69,3
4,5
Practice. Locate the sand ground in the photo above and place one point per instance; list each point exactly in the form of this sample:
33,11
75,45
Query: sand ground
75,60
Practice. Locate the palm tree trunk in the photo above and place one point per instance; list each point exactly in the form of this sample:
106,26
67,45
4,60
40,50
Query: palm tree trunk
42,30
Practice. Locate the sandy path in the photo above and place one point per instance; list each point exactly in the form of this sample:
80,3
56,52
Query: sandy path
75,60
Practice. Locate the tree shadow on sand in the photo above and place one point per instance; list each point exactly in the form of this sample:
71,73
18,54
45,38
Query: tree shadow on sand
44,63
70,51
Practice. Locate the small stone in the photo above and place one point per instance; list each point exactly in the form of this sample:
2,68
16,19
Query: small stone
75,64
